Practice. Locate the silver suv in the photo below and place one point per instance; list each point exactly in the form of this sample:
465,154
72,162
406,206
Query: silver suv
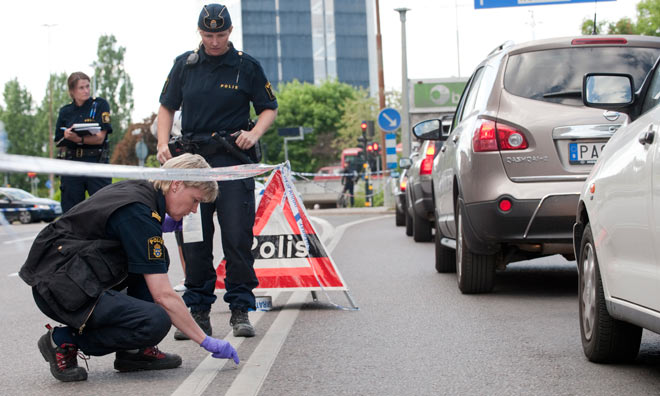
507,180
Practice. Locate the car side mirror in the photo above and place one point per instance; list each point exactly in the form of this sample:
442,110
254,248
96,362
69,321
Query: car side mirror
608,91
429,130
405,163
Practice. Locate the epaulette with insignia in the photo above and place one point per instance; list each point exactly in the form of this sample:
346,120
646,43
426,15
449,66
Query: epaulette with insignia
156,216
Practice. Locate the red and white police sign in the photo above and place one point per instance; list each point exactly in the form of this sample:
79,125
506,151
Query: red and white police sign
281,258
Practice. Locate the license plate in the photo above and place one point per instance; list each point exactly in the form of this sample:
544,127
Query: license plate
584,153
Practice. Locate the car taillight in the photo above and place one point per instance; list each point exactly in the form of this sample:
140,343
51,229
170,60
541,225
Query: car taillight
494,136
427,163
403,183
510,138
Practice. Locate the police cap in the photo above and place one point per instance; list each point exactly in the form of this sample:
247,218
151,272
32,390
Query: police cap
214,18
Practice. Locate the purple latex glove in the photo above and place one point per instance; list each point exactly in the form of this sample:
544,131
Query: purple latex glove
169,224
220,349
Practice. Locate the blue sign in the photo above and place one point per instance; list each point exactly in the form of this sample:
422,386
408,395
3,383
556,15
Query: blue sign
48,184
389,119
515,3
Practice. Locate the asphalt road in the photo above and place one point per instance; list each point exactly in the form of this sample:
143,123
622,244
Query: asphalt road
414,332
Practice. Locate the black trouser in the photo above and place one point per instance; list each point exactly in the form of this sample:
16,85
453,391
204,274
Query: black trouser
73,187
235,211
120,321
348,187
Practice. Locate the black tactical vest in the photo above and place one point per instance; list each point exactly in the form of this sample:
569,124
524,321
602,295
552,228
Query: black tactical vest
73,261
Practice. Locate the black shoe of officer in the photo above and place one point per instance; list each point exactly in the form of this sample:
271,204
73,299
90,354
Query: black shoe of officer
150,358
63,359
203,321
241,324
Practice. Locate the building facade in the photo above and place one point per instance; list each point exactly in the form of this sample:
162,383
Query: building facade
312,40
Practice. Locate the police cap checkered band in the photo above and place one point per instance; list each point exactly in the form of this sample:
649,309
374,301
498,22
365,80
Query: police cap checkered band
214,18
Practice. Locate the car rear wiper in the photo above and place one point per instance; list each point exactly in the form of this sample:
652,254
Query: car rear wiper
577,94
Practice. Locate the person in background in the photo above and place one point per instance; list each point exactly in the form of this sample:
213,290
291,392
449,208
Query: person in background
214,86
83,146
348,181
79,265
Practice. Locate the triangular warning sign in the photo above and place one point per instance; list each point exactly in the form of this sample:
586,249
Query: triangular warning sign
282,259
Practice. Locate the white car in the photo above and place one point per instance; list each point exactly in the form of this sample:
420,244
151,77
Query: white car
617,233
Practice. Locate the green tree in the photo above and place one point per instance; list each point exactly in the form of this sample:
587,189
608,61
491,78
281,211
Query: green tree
60,98
319,107
648,22
648,18
18,117
114,85
356,110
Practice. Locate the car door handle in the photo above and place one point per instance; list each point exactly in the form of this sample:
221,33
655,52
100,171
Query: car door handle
648,136
443,149
454,138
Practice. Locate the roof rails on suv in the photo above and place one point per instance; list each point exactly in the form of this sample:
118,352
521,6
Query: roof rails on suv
506,44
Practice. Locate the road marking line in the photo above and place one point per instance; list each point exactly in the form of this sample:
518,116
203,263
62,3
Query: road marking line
19,240
206,371
251,378
339,231
256,368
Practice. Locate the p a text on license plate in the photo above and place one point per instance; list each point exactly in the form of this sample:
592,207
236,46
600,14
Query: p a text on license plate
584,153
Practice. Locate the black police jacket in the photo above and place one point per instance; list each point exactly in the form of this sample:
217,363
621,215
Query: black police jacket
72,261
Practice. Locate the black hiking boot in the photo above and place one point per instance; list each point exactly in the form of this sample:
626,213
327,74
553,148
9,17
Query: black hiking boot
63,359
203,321
150,358
241,324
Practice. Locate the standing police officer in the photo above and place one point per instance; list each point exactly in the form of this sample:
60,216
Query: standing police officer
214,86
90,148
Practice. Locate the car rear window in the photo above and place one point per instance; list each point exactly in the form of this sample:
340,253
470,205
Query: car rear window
556,75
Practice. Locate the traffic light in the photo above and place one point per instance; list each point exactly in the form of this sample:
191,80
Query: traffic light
370,128
363,127
370,148
376,147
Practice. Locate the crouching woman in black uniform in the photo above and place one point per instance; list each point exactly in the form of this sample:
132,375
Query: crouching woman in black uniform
91,147
78,265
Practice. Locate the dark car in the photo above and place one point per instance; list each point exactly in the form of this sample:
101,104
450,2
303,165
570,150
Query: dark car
17,204
399,191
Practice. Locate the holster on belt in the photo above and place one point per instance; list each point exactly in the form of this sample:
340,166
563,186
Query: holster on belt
214,143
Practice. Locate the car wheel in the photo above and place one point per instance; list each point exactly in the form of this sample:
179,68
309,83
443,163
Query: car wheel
399,218
409,223
604,339
445,258
475,273
25,217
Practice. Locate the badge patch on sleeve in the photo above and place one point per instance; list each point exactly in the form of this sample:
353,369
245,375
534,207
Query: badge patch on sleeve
269,91
156,216
105,117
156,248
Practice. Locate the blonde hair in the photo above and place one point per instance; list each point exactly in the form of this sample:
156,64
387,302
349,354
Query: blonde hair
209,188
73,80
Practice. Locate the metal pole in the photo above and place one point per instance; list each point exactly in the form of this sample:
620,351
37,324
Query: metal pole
458,52
405,115
51,177
381,78
286,150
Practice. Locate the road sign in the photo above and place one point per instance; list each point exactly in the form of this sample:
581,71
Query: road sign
479,4
389,119
390,150
436,95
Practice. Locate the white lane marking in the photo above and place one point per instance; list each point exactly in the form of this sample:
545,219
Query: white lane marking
253,374
19,240
327,230
339,231
203,375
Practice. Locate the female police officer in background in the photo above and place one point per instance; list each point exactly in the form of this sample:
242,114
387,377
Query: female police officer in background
214,86
115,238
90,148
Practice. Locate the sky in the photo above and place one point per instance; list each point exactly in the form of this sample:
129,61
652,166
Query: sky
444,38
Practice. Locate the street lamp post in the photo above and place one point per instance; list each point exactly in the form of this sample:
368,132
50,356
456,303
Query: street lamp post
405,111
51,178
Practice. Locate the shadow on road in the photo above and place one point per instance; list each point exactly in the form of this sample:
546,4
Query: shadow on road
532,278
